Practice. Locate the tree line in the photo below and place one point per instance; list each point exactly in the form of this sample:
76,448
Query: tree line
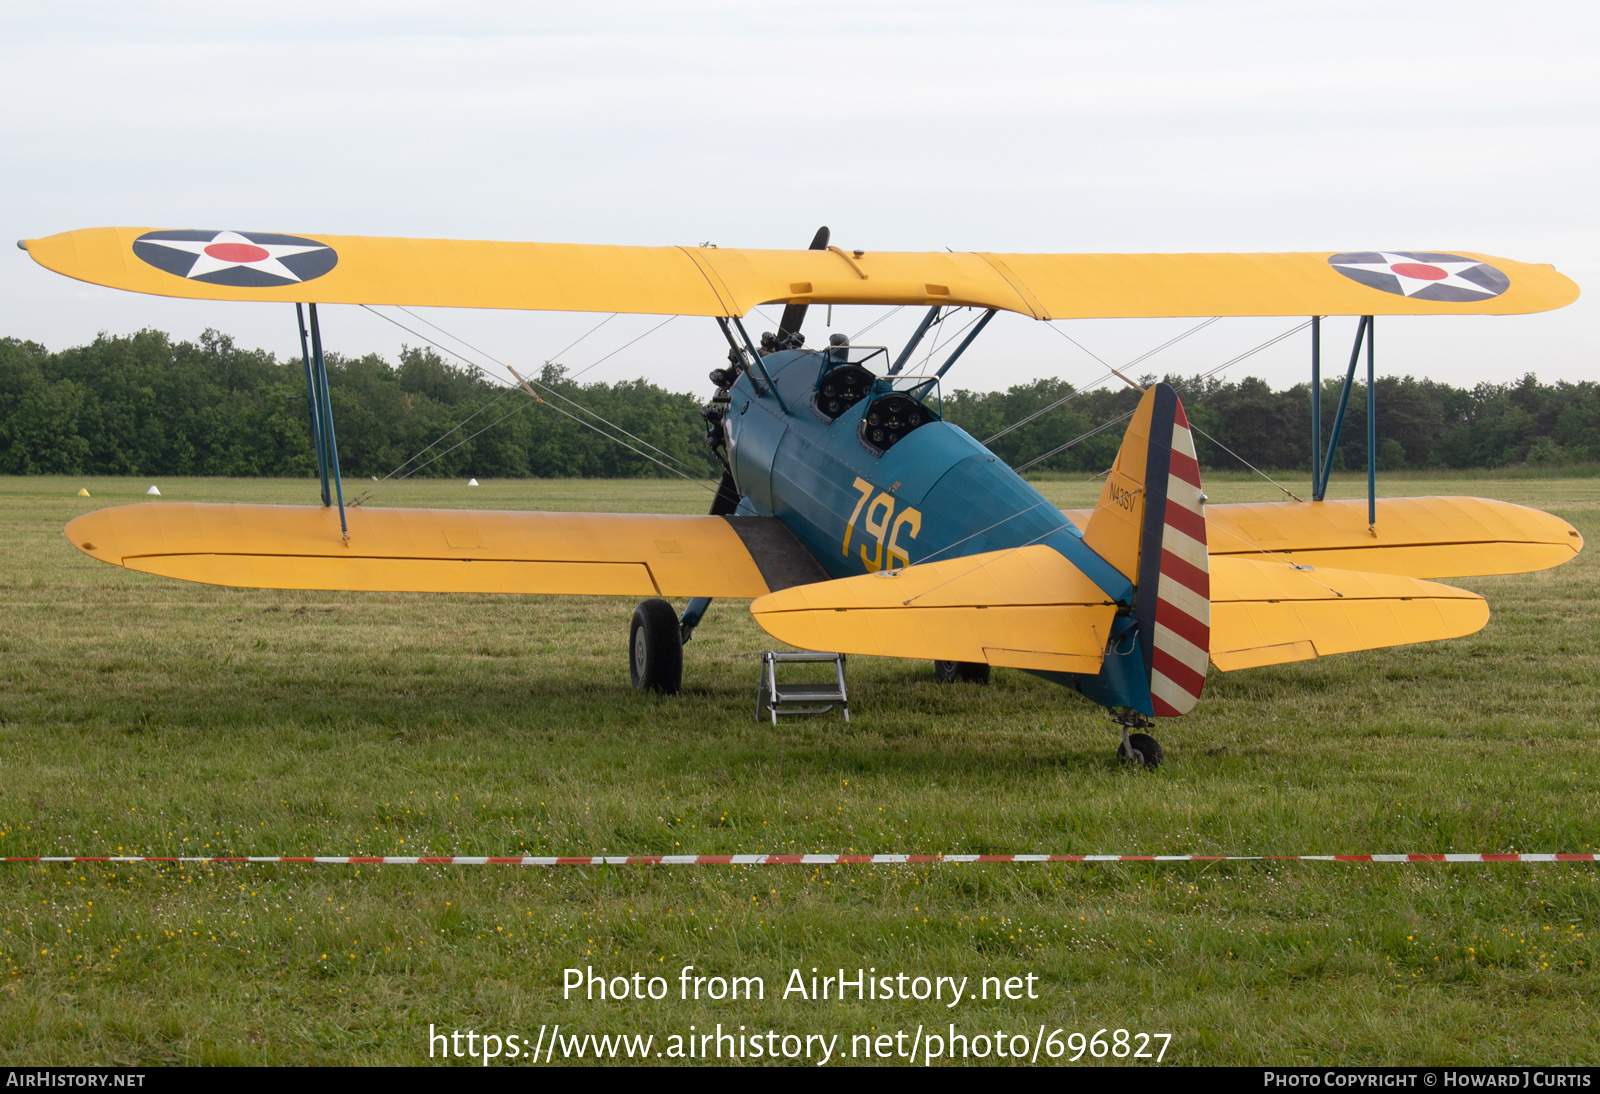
1421,424
147,405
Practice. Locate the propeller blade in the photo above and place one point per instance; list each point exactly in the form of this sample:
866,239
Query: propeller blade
795,314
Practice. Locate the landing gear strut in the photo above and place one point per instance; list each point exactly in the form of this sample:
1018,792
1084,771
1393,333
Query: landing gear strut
1137,749
655,648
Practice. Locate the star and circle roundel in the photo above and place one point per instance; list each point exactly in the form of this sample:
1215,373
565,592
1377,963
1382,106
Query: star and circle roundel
246,260
1423,275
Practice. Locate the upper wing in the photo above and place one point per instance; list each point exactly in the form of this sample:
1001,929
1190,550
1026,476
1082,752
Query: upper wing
448,550
1027,608
730,282
1268,613
1415,537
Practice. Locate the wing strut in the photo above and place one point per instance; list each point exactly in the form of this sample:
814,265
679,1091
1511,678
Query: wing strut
1316,406
322,435
755,357
1365,332
313,404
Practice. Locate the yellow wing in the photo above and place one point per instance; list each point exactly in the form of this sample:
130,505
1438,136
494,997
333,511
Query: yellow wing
1026,608
335,269
1269,613
1414,537
448,550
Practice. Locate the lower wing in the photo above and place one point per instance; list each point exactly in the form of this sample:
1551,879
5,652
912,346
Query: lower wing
1025,608
1413,537
448,550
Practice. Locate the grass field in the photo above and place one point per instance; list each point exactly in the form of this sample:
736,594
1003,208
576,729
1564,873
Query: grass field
141,715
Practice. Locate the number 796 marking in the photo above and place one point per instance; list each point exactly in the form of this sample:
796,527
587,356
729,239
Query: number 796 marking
884,525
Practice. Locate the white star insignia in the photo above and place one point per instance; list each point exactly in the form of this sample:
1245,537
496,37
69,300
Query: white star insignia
226,250
1406,270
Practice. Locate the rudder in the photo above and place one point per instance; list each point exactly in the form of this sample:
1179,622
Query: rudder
1150,525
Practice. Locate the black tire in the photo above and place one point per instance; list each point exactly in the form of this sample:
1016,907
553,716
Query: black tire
969,672
1148,748
655,648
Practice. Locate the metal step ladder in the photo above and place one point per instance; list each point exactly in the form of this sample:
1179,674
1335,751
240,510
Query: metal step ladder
773,698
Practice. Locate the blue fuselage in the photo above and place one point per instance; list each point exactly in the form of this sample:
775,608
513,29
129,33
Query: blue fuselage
936,494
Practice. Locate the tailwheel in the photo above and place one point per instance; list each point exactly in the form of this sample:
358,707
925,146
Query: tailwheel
655,648
970,672
1137,749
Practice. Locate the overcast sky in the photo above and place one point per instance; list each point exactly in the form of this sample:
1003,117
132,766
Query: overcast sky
1124,126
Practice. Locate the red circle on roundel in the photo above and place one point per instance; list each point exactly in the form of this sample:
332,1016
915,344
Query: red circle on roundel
244,252
1405,269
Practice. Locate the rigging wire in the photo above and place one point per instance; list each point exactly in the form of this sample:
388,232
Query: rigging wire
558,410
1246,462
1253,352
580,421
548,389
518,410
1101,428
455,337
622,347
875,322
1064,399
1234,361
507,390
368,492
1142,357
1100,380
1197,328
1269,552
1205,376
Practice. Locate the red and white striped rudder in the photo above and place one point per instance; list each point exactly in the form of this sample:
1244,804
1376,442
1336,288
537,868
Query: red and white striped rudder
1181,635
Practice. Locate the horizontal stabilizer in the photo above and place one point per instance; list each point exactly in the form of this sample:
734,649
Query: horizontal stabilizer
1024,608
1431,537
1268,613
439,550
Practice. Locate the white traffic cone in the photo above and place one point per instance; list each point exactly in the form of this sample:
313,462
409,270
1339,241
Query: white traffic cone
154,490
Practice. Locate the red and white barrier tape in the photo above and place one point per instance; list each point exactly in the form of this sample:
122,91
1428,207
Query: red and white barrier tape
770,860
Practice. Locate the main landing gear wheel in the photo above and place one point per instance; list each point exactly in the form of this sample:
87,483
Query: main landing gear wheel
970,672
655,648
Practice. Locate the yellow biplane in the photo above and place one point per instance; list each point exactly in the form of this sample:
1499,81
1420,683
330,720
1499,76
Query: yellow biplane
852,516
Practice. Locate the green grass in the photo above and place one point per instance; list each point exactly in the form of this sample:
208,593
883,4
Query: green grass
140,715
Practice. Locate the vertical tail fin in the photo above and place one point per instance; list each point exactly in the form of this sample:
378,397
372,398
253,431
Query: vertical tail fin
1149,524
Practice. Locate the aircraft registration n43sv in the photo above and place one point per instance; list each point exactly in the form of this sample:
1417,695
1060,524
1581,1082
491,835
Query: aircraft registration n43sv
850,513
